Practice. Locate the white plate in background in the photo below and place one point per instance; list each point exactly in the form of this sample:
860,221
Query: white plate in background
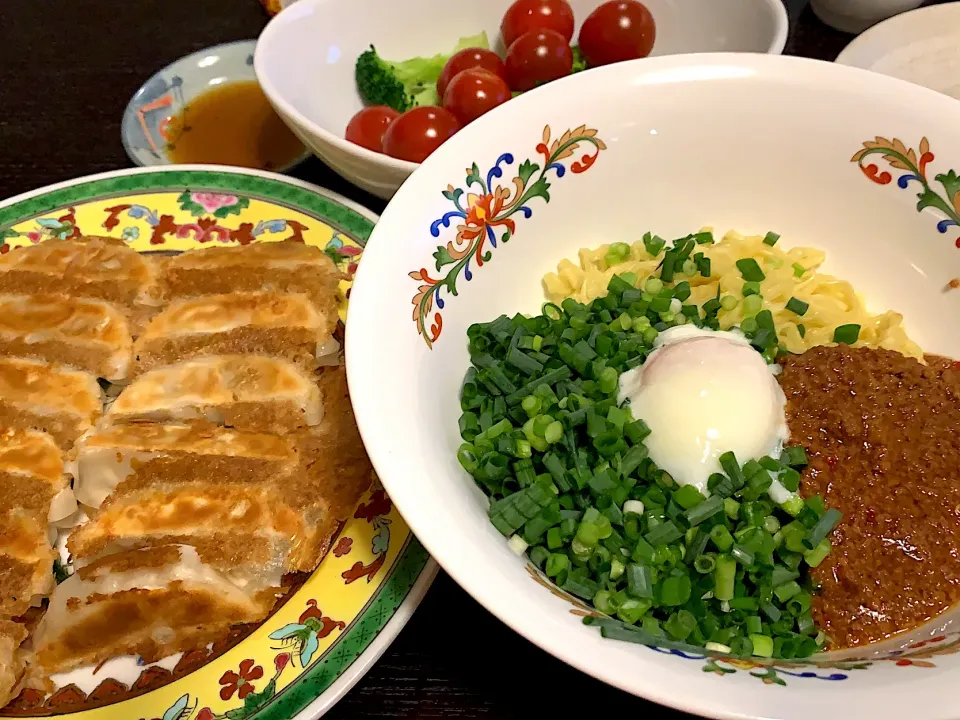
922,47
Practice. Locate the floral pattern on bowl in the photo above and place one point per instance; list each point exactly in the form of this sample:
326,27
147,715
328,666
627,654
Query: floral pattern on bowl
699,140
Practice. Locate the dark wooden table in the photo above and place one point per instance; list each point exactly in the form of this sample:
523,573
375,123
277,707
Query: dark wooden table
67,69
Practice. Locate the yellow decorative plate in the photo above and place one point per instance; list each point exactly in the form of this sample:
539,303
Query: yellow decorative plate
333,626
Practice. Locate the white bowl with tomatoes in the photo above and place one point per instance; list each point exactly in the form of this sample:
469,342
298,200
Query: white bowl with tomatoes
373,87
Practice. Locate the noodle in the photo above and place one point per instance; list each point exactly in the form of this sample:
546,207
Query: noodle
832,302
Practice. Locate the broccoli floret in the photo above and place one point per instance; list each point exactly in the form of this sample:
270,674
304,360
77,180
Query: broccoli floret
407,84
377,83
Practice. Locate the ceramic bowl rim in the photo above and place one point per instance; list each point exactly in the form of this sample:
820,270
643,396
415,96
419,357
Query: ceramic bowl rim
777,44
361,349
848,56
164,161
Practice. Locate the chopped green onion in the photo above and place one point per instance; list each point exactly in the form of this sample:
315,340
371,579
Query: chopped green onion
653,286
554,538
717,647
675,590
751,288
617,253
518,544
798,307
762,645
846,334
794,456
705,564
704,510
798,270
633,506
771,239
703,264
724,577
571,482
752,304
654,244
663,534
688,497
553,432
750,270
816,556
802,330
640,581
823,527
531,405
787,590
557,563
721,537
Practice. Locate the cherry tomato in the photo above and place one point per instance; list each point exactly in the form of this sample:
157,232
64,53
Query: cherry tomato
527,15
418,132
466,59
617,30
474,92
536,58
368,126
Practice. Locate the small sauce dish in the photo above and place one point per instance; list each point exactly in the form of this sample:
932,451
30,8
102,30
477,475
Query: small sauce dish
208,108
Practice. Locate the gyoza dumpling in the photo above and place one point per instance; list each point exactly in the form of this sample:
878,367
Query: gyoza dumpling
64,403
90,335
337,470
94,267
11,659
289,266
242,531
260,323
26,561
246,392
32,477
144,455
151,602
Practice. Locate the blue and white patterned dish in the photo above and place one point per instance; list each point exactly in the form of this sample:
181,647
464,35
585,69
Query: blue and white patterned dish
147,116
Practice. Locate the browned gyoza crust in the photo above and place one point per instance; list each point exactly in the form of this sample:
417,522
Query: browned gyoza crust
881,432
270,323
62,402
230,526
248,392
31,471
88,267
338,470
12,634
26,561
161,602
85,334
289,266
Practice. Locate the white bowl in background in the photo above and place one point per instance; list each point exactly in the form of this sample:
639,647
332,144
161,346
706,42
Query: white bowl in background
730,141
922,47
855,16
305,57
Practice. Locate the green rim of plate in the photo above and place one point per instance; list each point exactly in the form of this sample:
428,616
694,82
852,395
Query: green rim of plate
412,560
324,208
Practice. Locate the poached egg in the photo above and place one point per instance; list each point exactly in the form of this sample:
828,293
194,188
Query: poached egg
704,393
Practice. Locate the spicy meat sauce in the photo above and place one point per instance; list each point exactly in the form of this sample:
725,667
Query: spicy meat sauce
882,433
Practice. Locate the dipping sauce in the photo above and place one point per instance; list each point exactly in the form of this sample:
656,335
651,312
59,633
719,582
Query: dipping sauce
231,124
881,433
